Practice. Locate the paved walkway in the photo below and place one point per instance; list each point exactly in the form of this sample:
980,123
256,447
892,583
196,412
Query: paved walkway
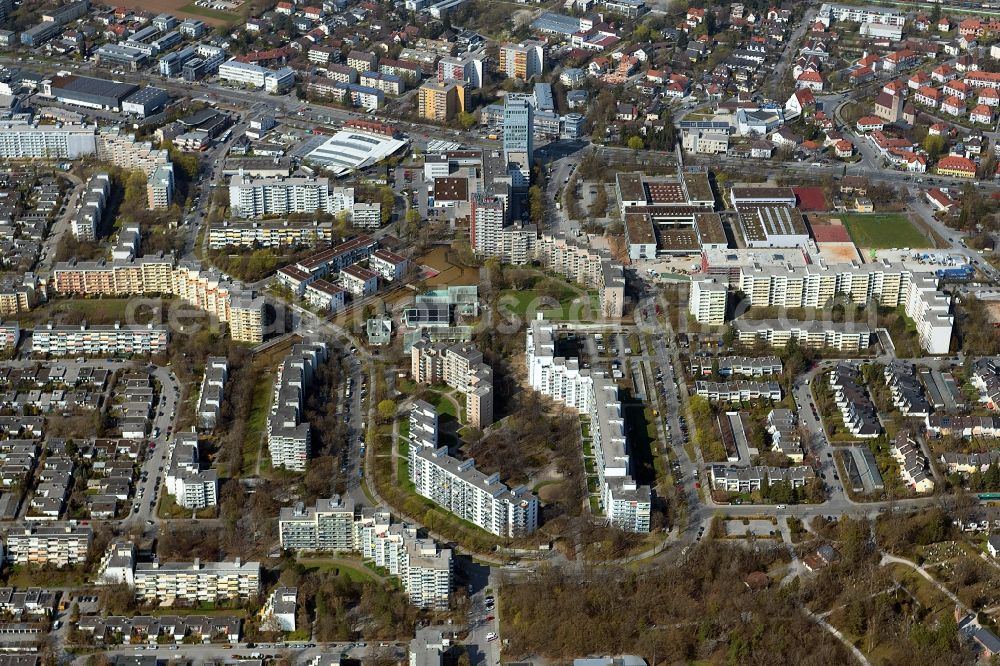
858,654
892,559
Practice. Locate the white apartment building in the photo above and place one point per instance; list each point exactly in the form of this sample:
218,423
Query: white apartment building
366,215
389,265
22,140
93,202
466,67
117,564
423,425
488,219
707,302
255,76
49,545
888,284
324,295
359,281
327,526
261,197
627,505
471,495
830,13
278,612
212,391
335,525
461,367
196,582
190,487
289,438
85,340
269,233
846,337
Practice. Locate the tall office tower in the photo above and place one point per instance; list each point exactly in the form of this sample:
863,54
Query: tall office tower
518,142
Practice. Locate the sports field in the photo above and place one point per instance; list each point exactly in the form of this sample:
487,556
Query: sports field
884,230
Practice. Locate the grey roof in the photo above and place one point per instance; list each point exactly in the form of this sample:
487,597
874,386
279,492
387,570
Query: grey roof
95,87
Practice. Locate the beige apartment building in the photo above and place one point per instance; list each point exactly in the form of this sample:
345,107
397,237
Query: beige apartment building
461,367
206,290
196,582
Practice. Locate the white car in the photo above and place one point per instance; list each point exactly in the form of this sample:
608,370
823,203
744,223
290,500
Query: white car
492,636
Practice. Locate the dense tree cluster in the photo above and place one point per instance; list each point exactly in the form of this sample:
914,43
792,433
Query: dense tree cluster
700,610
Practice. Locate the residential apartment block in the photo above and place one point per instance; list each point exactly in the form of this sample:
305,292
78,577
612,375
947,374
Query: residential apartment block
20,139
327,526
86,224
389,265
441,101
269,233
336,525
190,486
260,197
886,283
707,302
777,333
522,61
205,289
169,583
751,479
212,392
462,489
591,393
289,437
49,545
466,68
471,495
461,367
85,340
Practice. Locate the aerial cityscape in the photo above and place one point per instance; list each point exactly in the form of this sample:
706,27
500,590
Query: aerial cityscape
497,332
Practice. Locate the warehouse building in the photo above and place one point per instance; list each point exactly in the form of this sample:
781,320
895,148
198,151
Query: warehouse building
146,102
87,91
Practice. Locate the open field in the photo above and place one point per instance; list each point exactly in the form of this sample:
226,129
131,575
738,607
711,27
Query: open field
209,14
179,8
884,230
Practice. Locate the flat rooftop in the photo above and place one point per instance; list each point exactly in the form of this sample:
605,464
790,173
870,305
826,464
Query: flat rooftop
662,192
709,226
678,240
762,221
639,230
630,187
698,187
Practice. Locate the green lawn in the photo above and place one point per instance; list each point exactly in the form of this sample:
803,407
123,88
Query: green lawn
256,422
884,230
208,12
527,303
354,571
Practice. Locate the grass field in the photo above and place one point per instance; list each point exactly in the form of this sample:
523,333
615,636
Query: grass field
256,422
884,230
570,306
209,13
177,7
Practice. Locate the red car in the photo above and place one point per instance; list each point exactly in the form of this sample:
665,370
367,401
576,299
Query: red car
490,618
